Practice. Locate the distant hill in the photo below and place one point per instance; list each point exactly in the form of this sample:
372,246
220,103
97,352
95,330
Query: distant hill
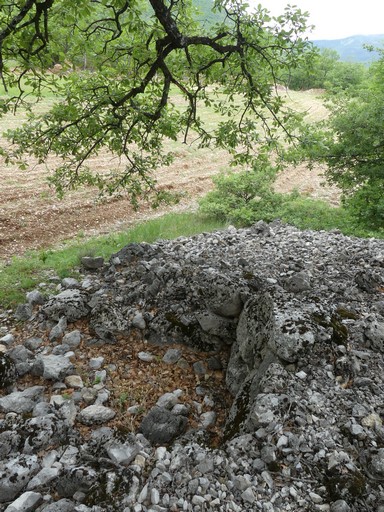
351,49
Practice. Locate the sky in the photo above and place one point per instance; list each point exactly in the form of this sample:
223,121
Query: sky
335,19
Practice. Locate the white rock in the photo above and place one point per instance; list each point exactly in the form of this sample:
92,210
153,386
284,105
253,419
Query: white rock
316,498
27,502
155,496
96,414
146,356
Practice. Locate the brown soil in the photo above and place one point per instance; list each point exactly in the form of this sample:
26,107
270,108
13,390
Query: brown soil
32,217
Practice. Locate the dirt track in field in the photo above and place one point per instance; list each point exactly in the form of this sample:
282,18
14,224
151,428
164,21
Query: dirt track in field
32,217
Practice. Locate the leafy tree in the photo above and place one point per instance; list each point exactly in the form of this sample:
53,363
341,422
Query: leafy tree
345,76
351,143
314,71
152,65
324,70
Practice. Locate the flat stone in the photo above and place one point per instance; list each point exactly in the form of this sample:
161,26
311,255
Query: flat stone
94,414
122,453
172,355
8,339
27,502
168,400
74,381
22,402
146,356
53,367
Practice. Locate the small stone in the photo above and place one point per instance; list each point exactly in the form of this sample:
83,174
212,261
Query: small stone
208,419
8,339
340,506
143,494
134,409
172,355
160,426
88,395
21,402
35,298
27,502
199,368
316,498
198,500
52,367
146,356
74,381
248,495
96,414
58,330
72,339
69,283
43,477
378,462
122,453
282,441
155,496
168,400
95,363
241,482
266,476
33,343
138,321
268,454
206,466
357,430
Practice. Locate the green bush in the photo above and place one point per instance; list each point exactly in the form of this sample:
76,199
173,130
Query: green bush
244,197
366,205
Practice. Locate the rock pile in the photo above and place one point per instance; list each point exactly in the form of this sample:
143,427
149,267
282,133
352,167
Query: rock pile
293,320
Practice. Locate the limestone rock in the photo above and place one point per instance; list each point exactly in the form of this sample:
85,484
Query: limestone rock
71,304
161,426
94,414
21,401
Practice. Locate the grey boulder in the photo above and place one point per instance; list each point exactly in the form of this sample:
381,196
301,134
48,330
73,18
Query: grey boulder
160,426
71,304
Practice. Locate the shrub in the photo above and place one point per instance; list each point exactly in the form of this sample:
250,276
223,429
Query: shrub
244,197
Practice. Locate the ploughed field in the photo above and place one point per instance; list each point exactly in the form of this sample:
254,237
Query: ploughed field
32,217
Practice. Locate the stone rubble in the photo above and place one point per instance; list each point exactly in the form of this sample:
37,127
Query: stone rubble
301,317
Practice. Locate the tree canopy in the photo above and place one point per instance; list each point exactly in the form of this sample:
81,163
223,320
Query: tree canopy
351,143
122,64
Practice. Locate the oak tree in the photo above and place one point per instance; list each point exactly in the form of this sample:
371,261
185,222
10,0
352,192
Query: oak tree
134,73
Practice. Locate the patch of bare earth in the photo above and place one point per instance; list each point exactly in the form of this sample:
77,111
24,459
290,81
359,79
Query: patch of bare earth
32,217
